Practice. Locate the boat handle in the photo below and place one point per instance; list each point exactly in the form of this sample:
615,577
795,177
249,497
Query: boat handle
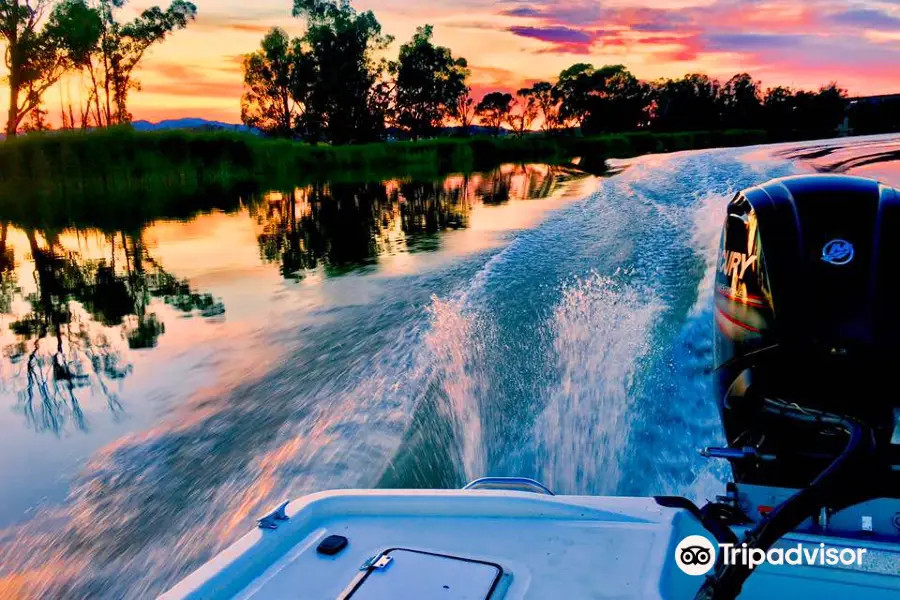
509,483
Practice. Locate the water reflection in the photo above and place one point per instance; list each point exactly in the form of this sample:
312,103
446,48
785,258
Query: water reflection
75,302
340,227
312,371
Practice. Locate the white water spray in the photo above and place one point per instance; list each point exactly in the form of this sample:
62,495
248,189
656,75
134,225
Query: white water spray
455,347
600,334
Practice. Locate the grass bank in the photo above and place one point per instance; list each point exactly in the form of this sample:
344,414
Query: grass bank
122,176
120,159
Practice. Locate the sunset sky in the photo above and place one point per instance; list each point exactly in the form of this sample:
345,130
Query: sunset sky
510,42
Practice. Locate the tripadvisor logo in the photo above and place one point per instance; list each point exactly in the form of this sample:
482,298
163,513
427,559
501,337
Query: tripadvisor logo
695,555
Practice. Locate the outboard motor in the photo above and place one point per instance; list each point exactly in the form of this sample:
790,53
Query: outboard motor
807,313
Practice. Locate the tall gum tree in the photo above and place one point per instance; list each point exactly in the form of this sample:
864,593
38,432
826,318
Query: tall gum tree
348,99
121,48
277,80
43,41
429,84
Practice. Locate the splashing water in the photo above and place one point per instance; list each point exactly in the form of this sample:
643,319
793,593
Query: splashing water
456,352
600,336
707,219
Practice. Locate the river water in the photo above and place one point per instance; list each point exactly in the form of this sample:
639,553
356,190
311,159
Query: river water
161,387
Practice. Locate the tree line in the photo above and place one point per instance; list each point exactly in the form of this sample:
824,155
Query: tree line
328,85
334,84
85,44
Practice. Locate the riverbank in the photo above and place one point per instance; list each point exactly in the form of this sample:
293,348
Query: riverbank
111,159
120,175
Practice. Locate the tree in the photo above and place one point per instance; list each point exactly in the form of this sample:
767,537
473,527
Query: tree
616,101
546,100
464,110
84,25
348,97
778,109
39,51
686,104
831,105
740,102
277,85
820,112
429,84
606,99
573,91
523,112
494,110
122,47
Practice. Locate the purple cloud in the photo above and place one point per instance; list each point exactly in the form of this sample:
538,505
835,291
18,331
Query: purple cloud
752,41
653,20
654,26
578,13
866,17
523,11
557,35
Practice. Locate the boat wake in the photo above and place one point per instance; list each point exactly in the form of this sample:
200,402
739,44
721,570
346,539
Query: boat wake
579,353
456,345
601,336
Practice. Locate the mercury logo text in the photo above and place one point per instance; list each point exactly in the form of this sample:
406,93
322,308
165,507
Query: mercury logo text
737,262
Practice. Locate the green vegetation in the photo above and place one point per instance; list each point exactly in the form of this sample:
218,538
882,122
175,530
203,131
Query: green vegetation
116,175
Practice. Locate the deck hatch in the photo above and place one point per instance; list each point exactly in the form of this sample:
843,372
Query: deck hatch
417,575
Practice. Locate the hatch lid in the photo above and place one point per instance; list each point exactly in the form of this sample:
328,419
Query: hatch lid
402,574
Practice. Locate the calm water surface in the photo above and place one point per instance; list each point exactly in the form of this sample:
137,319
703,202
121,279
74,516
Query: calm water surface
161,387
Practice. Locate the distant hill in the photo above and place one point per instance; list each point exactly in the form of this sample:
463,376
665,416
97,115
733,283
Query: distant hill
189,123
207,125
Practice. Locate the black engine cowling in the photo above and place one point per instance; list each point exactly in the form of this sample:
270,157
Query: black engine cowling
807,296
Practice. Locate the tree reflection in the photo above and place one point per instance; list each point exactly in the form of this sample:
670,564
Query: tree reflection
429,208
60,351
8,287
333,225
346,226
68,343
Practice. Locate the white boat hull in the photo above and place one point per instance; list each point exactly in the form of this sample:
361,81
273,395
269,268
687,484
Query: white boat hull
507,545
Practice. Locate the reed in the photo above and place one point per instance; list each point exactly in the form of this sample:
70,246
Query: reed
117,176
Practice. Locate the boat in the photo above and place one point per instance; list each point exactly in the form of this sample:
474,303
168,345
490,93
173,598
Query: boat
806,347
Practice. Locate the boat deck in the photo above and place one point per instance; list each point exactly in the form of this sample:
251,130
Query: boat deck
497,544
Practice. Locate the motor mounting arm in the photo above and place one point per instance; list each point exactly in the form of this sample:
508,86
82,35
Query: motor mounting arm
851,478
